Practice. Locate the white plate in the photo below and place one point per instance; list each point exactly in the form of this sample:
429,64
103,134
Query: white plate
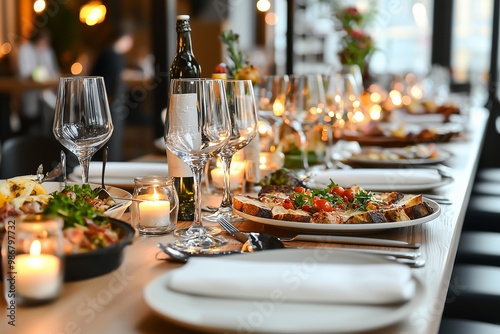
220,315
443,156
120,174
394,187
113,213
344,228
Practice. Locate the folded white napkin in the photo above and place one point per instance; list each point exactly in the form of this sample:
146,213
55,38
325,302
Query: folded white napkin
366,177
121,172
295,281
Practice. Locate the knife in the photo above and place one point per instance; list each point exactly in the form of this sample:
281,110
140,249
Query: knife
351,240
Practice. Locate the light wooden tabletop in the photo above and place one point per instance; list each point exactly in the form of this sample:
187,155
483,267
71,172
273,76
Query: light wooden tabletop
113,303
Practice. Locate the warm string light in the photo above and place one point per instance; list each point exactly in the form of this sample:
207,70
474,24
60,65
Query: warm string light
39,6
263,5
93,13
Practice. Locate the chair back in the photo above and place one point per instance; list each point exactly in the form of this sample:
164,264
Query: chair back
22,155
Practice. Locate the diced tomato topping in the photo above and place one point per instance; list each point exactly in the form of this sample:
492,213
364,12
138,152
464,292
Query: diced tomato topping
306,207
337,190
345,199
299,190
350,194
288,206
287,200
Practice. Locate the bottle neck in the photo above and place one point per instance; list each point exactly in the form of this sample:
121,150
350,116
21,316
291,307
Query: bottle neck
184,42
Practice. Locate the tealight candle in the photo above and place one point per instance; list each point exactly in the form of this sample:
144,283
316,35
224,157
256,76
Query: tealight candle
155,212
38,275
235,177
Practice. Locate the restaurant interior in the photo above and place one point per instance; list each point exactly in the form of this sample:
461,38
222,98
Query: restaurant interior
395,97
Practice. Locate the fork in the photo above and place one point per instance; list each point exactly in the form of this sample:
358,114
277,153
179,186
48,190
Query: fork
264,241
231,229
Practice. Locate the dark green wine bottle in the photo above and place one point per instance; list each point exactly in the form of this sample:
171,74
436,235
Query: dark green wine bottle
184,65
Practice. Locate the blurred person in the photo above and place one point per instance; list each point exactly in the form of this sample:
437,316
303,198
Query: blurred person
110,64
37,61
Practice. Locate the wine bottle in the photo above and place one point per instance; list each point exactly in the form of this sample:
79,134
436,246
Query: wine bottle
184,65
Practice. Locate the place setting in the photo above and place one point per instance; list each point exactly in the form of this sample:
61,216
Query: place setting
302,169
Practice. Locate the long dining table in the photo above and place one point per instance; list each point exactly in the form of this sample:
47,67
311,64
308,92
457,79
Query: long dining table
113,303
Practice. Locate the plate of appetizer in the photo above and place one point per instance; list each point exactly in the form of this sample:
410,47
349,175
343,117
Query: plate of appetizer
335,209
93,236
420,154
400,135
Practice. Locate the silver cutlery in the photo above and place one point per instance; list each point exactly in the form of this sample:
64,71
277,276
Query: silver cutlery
438,199
180,256
103,193
351,240
40,177
63,167
264,241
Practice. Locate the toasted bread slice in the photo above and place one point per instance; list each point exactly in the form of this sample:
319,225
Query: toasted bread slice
323,217
252,206
280,213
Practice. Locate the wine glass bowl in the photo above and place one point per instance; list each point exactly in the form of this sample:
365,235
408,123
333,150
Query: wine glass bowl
304,104
243,128
197,127
82,120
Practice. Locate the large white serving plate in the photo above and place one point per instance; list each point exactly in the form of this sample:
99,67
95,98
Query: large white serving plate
113,213
344,228
221,315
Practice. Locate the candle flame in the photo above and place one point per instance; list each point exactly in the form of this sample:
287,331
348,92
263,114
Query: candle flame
263,160
155,195
358,116
396,97
278,109
262,128
35,248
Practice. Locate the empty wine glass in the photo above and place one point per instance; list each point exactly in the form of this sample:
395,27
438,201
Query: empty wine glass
305,101
82,120
197,127
243,115
334,113
268,92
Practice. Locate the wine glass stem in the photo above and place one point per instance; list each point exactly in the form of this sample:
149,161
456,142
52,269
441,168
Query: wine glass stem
303,148
197,222
85,163
226,194
329,147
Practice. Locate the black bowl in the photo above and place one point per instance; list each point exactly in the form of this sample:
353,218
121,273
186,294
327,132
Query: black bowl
101,261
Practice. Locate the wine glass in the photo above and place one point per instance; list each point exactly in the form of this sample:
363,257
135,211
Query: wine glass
82,120
197,127
268,93
334,112
243,115
305,101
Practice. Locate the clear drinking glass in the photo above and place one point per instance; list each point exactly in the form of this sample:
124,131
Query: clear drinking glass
196,129
305,101
82,120
243,115
270,93
334,112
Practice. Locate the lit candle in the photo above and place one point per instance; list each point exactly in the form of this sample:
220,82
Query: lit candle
235,177
154,213
266,165
38,275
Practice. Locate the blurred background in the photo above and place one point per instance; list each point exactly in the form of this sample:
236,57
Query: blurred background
132,44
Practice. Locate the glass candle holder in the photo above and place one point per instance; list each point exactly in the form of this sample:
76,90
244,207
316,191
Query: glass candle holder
33,259
155,205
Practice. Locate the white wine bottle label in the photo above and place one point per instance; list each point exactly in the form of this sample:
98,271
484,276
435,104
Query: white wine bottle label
184,125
